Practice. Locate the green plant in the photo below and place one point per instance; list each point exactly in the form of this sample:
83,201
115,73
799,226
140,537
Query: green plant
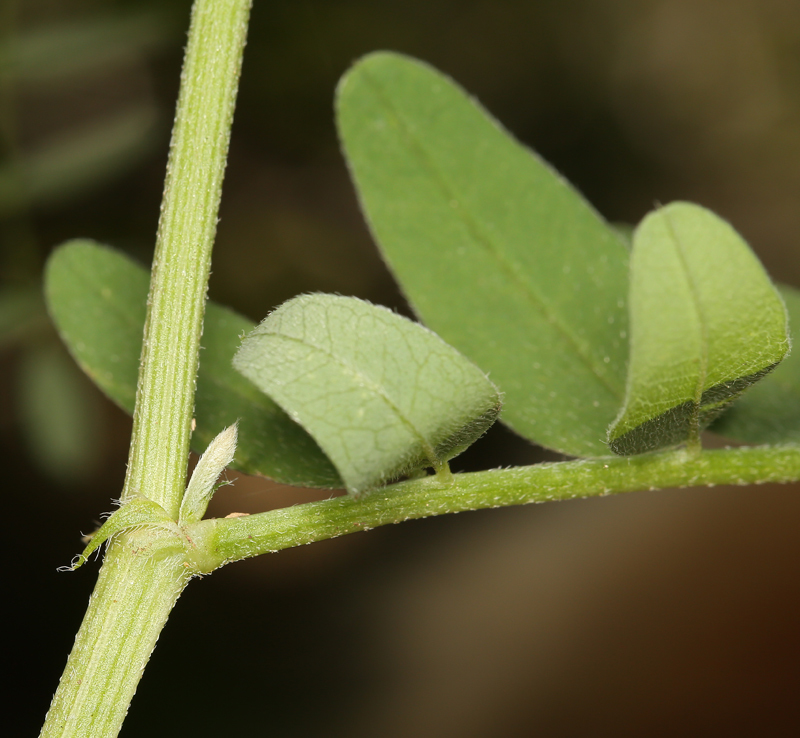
499,256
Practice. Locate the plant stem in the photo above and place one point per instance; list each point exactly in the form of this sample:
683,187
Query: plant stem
144,572
198,152
130,604
229,539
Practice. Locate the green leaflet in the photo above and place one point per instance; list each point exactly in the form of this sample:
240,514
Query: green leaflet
97,299
381,395
706,323
495,251
770,411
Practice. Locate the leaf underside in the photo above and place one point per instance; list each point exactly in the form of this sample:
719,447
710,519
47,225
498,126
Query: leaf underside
706,324
381,395
97,299
494,250
676,425
770,411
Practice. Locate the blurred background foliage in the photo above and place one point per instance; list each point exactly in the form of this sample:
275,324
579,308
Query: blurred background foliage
654,613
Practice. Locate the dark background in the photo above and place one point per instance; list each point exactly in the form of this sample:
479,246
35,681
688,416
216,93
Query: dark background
656,613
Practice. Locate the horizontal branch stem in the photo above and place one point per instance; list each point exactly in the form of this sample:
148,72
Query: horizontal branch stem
229,539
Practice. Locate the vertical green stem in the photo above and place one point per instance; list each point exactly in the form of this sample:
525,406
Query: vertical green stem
144,574
136,590
165,395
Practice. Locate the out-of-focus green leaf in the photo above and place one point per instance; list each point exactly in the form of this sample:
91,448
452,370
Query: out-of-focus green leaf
59,414
495,251
68,167
706,323
97,298
22,313
770,411
381,395
52,53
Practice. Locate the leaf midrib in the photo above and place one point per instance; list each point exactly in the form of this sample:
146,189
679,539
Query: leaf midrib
694,291
473,227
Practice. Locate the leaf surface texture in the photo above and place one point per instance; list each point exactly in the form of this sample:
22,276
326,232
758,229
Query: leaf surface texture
381,395
706,323
494,250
